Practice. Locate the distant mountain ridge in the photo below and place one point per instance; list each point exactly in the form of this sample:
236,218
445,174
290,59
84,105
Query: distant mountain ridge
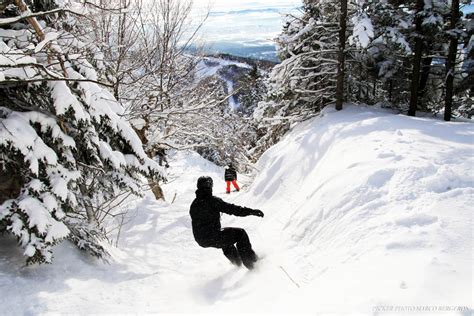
241,76
256,50
260,63
246,11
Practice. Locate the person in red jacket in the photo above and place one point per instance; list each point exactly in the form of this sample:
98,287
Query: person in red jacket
230,176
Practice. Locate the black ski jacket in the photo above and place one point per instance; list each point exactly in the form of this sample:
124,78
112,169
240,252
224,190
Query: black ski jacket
230,174
206,215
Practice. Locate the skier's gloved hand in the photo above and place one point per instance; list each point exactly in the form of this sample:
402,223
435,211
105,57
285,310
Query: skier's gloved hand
257,213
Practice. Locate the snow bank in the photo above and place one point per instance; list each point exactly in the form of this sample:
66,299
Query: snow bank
363,209
372,209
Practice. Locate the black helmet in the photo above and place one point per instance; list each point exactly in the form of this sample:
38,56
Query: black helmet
204,183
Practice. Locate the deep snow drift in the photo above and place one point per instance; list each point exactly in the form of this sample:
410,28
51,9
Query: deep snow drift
363,208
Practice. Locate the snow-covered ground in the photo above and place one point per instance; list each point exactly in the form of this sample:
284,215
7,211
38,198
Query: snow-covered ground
364,210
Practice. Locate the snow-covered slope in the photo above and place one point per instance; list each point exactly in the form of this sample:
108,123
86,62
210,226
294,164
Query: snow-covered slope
363,209
372,209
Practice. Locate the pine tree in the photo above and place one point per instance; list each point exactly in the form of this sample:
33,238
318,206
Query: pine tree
377,68
341,55
63,139
305,81
407,39
418,55
464,93
451,61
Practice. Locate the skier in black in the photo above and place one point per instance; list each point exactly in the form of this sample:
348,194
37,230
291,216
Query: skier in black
205,215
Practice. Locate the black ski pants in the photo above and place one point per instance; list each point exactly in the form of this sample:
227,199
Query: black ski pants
230,237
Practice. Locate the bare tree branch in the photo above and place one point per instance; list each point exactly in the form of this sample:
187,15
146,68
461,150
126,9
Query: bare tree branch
29,15
52,76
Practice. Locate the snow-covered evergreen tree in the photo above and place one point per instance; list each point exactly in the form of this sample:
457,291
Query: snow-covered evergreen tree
396,54
252,89
406,60
305,80
64,144
378,63
465,94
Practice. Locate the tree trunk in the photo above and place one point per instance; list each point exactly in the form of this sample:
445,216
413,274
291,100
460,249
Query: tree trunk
154,186
90,213
425,72
157,190
451,62
341,56
390,89
40,34
31,20
374,90
415,78
10,186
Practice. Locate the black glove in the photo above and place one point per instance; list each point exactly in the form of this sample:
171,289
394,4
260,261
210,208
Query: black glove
257,213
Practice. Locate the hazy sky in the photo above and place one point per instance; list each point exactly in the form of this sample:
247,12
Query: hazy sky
247,25
244,27
236,5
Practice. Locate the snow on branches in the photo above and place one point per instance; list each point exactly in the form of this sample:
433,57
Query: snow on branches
304,82
65,148
363,31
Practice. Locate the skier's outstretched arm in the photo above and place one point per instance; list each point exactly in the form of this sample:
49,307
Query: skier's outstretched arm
236,210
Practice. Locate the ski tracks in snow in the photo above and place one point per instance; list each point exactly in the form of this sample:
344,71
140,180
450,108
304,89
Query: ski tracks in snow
362,208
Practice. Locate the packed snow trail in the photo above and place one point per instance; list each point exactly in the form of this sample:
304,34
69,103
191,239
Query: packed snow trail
363,208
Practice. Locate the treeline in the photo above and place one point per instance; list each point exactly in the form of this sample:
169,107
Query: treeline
407,55
91,92
68,155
